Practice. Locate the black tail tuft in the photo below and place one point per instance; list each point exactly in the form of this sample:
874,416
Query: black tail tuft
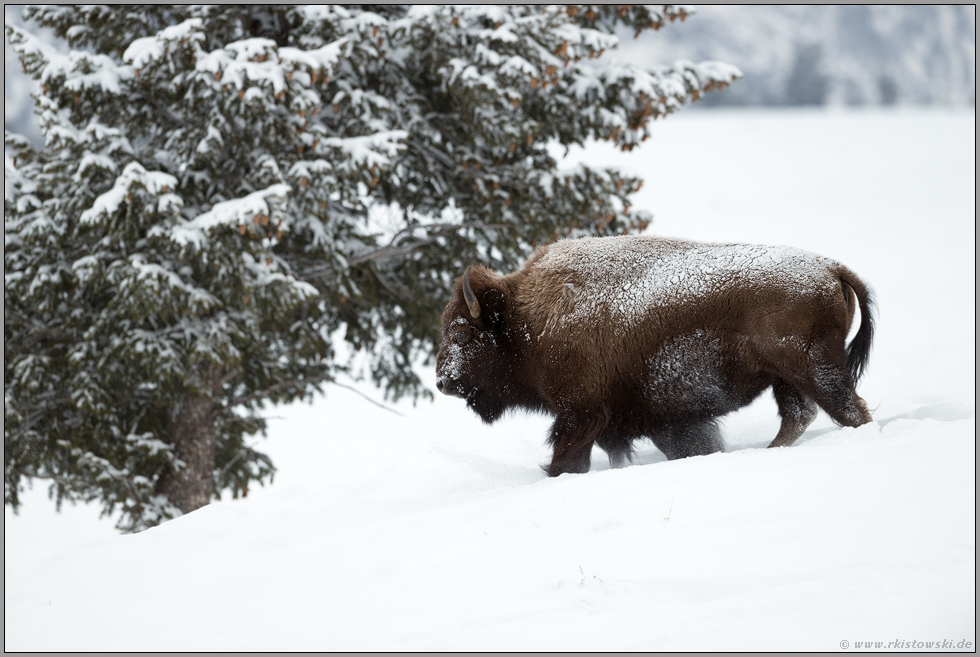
859,351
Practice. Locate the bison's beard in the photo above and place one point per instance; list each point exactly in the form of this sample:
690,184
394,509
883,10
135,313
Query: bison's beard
488,406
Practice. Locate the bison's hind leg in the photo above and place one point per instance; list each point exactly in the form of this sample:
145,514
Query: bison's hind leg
825,380
796,410
831,387
693,438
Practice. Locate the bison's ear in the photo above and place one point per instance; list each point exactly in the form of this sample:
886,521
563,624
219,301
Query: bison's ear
469,296
482,293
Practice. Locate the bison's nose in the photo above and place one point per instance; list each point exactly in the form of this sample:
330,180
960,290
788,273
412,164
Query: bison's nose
448,387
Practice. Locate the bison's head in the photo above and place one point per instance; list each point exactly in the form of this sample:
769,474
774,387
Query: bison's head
477,354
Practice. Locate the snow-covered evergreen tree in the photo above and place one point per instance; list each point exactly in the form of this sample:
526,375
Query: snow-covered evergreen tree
225,191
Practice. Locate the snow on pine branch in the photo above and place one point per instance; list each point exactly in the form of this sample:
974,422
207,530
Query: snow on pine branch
703,76
153,508
81,70
264,275
145,50
324,58
520,52
259,61
588,38
546,180
669,85
133,178
243,62
158,280
236,212
370,150
95,134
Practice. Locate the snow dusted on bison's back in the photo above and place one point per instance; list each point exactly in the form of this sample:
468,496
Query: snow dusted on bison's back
627,277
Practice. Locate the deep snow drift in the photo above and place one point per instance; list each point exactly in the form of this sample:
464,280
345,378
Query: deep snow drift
432,531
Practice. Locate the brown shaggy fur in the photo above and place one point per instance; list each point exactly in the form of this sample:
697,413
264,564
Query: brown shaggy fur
631,337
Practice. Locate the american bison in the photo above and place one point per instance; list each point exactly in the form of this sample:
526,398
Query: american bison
628,337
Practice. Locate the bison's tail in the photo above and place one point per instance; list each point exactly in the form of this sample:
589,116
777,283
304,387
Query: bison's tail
859,351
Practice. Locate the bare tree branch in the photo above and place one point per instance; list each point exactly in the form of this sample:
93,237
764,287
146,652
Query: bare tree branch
279,387
376,403
284,385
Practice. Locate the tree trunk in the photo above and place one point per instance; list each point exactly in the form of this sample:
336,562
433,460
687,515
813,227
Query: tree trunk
191,431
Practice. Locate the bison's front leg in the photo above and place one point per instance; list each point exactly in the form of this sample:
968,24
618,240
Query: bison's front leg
571,439
619,449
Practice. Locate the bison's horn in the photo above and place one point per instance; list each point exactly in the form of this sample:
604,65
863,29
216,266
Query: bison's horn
471,301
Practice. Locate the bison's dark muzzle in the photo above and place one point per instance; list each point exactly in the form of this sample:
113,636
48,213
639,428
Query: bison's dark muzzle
446,388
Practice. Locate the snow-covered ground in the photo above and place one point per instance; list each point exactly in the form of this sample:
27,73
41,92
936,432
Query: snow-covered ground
430,531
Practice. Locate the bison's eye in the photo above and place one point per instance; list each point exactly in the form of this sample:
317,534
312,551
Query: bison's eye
461,336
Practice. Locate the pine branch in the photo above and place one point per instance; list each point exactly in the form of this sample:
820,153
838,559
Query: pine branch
232,462
71,484
391,251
